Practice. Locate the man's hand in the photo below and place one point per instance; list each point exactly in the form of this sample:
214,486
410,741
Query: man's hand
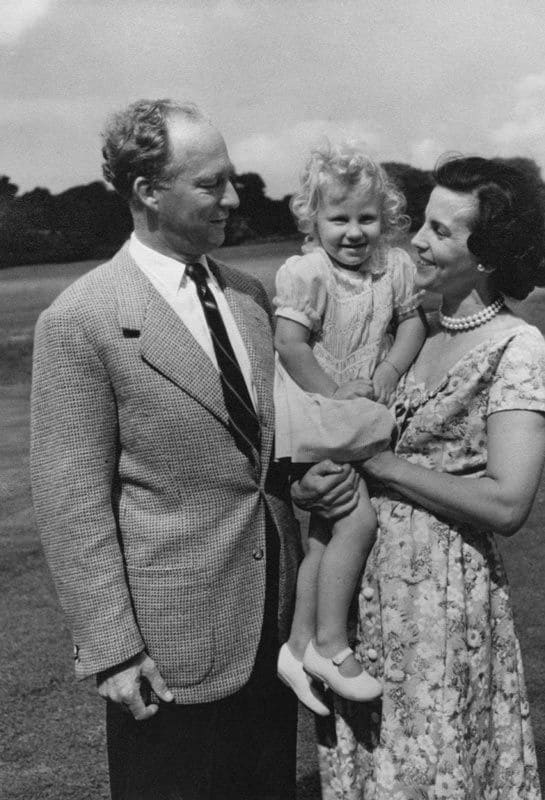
357,388
123,685
327,489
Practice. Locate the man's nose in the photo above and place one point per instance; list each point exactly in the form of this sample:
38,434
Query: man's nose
230,197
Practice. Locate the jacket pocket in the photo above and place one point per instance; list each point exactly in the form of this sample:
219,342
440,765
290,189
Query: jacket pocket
175,619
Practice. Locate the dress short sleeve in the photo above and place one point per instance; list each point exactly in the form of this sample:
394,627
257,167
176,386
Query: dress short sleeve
403,272
301,289
519,381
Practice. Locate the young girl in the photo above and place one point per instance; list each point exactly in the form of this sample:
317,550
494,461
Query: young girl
335,307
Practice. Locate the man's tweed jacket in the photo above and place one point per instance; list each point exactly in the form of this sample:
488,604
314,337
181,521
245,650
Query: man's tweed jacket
153,522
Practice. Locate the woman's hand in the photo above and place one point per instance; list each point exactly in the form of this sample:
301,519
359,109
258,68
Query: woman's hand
327,489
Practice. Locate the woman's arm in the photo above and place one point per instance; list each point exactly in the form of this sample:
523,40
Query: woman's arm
291,342
501,500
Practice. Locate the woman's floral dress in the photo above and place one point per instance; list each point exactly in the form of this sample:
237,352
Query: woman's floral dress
435,621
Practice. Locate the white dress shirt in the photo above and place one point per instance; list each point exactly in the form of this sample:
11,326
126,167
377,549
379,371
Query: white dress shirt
168,276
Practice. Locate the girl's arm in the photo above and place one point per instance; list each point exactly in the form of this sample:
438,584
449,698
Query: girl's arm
501,500
291,342
409,338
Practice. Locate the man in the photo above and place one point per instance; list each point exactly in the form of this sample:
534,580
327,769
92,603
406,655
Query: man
153,520
168,533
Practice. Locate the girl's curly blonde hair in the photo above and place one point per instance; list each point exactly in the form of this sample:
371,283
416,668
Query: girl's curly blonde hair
346,164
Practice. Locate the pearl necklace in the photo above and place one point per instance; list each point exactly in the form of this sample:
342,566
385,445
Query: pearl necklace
466,323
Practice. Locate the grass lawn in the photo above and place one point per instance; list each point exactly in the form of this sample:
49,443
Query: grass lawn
51,730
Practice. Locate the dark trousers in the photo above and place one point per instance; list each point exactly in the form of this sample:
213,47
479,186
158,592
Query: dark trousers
241,747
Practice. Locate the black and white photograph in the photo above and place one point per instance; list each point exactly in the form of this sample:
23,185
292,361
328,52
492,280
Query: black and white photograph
272,399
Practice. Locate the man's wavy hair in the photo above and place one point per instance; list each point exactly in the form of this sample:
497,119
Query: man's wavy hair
136,144
508,231
346,164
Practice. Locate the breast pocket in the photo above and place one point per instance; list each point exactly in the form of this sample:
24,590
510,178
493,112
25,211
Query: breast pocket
175,619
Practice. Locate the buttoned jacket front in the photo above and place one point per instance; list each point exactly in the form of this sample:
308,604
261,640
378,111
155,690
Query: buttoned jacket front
153,522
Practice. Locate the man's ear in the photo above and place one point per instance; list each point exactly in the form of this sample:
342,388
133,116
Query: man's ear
145,193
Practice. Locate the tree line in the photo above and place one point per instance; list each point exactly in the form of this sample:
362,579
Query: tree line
92,221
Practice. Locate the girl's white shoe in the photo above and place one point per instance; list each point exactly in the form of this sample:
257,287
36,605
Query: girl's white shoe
290,671
360,688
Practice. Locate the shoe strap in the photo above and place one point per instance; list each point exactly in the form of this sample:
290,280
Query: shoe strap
342,656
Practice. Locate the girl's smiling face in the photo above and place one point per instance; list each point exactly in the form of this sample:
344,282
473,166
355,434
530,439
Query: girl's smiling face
348,224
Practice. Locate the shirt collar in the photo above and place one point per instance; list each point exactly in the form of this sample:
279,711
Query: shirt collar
168,271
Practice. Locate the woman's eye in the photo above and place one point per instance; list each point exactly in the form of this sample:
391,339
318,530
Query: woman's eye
441,233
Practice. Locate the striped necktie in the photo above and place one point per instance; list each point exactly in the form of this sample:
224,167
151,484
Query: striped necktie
242,417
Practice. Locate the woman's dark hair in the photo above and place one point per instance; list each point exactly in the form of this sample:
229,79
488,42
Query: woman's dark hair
508,233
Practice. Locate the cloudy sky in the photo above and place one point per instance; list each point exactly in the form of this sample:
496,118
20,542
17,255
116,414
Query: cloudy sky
412,78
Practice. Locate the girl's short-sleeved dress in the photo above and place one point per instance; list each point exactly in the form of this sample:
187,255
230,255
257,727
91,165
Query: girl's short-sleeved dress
349,315
435,621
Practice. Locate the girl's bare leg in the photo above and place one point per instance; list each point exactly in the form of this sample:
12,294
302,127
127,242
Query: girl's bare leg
303,626
339,569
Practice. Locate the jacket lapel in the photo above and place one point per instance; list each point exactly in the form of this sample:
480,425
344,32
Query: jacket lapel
169,347
165,342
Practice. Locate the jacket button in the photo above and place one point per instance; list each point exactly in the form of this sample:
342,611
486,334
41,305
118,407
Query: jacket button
258,553
368,593
372,654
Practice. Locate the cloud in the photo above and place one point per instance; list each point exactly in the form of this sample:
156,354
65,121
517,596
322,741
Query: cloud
279,156
524,133
424,153
19,16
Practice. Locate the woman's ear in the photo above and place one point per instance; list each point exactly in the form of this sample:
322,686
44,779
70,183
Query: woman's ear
145,192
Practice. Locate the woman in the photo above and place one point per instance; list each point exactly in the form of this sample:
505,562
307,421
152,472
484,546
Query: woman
435,622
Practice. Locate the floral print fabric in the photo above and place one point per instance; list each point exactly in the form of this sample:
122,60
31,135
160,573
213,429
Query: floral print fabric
435,622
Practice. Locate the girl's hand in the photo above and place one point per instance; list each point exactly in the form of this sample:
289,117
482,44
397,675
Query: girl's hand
352,389
327,489
385,380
